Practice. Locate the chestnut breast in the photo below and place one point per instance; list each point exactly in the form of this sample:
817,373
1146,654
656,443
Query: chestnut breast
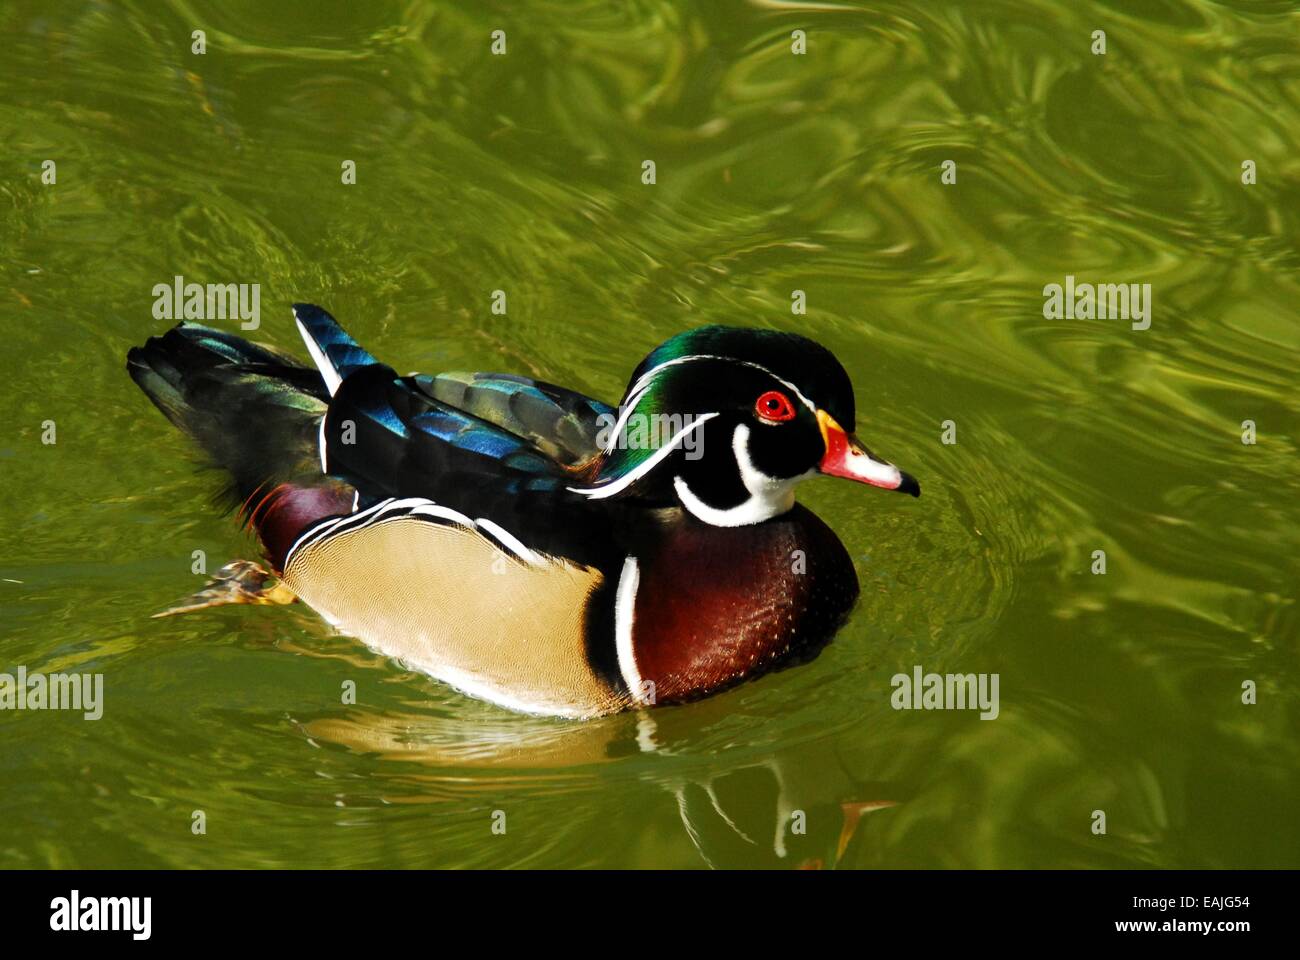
716,605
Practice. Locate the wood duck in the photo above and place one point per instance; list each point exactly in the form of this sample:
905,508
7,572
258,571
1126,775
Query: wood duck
522,542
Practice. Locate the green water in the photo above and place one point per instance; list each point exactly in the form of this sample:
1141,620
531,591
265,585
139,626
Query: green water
775,172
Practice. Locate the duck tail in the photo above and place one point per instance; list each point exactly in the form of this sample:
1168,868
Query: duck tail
335,353
254,411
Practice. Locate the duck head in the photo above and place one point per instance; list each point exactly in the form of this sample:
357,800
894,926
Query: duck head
726,421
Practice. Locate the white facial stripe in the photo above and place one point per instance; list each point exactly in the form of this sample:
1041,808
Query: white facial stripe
768,496
332,378
635,395
644,380
793,389
641,469
621,422
624,621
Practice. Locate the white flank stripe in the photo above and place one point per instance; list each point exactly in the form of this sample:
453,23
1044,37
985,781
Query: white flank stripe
411,506
624,617
323,467
428,508
508,540
318,531
307,534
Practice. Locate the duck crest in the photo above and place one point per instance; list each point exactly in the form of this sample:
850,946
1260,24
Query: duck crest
714,606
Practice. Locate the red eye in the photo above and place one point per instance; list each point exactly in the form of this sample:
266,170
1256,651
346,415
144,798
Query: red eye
774,407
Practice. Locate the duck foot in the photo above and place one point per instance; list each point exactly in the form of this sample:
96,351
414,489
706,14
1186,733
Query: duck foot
240,581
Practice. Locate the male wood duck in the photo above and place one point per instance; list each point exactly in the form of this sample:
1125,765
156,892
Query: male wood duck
522,542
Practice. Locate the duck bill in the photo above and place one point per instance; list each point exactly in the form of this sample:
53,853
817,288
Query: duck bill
846,457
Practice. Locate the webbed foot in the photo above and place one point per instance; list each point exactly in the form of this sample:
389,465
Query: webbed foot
240,581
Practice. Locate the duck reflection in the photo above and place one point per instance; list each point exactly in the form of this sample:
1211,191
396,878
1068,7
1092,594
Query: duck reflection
782,807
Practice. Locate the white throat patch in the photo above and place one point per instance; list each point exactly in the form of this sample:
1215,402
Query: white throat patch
768,496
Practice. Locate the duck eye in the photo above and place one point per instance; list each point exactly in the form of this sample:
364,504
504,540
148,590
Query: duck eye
774,407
